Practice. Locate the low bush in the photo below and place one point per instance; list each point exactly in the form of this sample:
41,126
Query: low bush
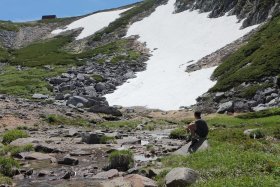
12,135
121,160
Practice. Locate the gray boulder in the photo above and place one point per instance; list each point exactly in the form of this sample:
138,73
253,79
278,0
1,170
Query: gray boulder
99,87
76,100
181,177
40,96
225,107
92,138
67,160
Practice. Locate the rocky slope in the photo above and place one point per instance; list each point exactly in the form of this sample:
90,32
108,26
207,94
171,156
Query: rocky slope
253,11
248,79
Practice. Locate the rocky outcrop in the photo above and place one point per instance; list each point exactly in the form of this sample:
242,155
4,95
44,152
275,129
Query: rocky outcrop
253,11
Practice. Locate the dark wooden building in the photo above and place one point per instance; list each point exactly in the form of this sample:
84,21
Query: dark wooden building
48,17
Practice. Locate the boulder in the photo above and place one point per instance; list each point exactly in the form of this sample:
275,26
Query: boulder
35,156
181,177
105,110
40,96
225,107
67,160
92,138
240,106
46,149
99,87
76,100
106,175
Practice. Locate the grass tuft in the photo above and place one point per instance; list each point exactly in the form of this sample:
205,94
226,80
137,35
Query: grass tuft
12,135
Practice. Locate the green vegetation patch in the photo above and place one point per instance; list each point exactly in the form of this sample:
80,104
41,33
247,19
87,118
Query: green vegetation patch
118,47
6,166
14,150
12,135
62,120
5,180
44,53
121,160
27,81
4,55
261,114
179,133
257,59
107,140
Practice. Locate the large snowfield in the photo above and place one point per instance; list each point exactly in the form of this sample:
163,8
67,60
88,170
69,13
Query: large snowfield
93,23
179,38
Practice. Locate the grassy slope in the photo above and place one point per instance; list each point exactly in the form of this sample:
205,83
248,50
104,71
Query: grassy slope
257,59
234,159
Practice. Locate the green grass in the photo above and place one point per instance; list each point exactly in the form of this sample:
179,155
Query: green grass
12,135
54,119
128,124
261,114
47,52
235,159
121,160
117,47
11,26
14,150
107,139
28,81
5,180
6,166
257,59
179,133
4,55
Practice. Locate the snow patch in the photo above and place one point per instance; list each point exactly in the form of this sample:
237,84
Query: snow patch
92,23
180,38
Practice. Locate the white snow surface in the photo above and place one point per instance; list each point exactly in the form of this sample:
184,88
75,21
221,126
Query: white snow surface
92,23
180,38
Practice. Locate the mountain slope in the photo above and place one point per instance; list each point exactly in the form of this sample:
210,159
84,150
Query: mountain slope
179,38
249,78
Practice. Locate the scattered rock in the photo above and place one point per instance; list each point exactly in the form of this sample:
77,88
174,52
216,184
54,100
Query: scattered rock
181,177
225,107
67,160
107,175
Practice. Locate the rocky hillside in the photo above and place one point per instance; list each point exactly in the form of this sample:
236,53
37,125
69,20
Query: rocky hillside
252,11
249,78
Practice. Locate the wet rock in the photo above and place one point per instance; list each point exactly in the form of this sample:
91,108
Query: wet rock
18,177
40,96
67,175
43,173
129,141
106,175
201,145
181,177
67,160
